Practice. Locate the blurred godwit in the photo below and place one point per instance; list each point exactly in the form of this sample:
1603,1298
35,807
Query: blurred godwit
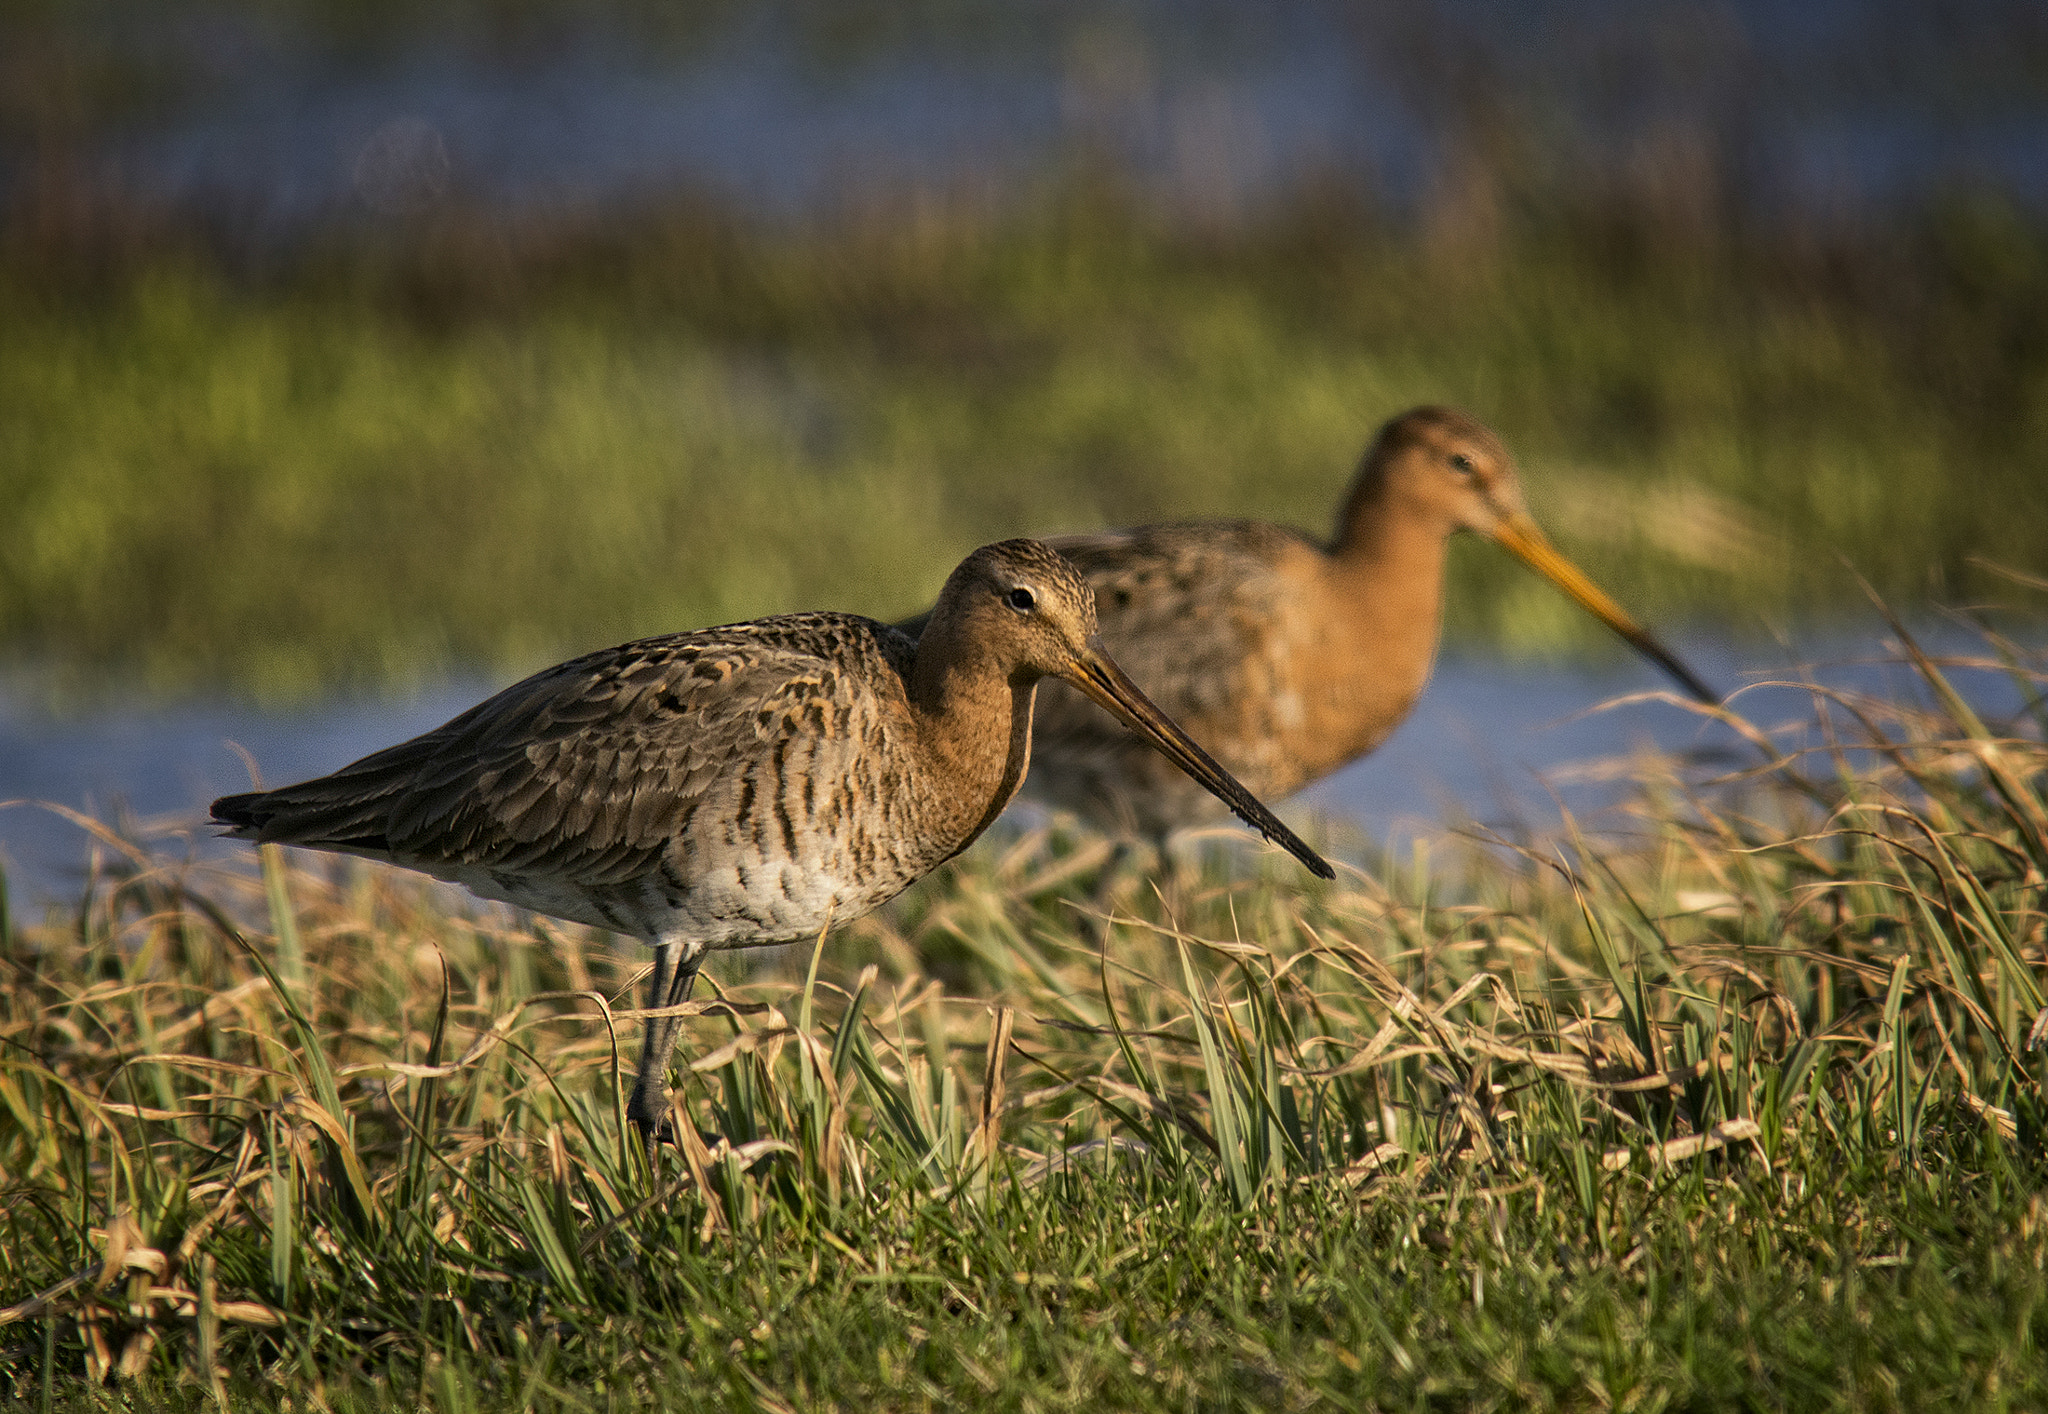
743,785
1285,657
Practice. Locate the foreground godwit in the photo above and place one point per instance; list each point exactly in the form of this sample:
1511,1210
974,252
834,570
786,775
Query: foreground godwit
1285,657
743,785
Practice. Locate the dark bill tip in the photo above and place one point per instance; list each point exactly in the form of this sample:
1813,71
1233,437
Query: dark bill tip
1521,537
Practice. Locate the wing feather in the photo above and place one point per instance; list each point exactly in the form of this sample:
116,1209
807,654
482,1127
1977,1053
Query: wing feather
588,769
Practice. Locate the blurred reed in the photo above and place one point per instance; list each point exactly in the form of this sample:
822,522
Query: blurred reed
497,441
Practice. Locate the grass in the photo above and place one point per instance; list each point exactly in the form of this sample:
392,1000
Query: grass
1733,1103
482,442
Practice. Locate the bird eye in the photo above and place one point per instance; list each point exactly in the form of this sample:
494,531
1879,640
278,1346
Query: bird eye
1023,600
1461,464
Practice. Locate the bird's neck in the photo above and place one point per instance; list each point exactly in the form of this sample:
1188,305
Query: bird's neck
1385,578
1381,539
974,729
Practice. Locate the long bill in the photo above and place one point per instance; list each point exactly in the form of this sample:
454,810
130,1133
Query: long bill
1097,675
1526,541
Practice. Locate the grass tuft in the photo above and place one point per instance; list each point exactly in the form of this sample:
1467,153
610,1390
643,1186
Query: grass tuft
1735,1101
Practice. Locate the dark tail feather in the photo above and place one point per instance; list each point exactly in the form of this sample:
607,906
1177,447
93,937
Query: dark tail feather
306,815
240,812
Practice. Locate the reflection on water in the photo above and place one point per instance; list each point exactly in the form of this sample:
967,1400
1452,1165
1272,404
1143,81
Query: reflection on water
1501,744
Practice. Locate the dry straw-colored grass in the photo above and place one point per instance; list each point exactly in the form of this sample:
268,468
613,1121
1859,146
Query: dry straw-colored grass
329,1122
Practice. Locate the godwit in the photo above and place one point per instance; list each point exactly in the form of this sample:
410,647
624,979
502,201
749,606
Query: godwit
743,785
1285,657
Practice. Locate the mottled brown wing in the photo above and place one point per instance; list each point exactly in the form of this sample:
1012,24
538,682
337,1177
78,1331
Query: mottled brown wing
587,769
1187,611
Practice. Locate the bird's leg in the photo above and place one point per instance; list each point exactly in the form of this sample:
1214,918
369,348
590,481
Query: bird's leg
650,1085
675,972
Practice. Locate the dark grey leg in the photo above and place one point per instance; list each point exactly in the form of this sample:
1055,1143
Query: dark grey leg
675,972
653,1033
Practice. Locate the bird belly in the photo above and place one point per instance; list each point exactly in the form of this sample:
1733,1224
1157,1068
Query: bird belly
557,896
772,901
755,902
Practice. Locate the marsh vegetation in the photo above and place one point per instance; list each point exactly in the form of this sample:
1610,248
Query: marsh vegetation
488,445
1732,1096
1734,1100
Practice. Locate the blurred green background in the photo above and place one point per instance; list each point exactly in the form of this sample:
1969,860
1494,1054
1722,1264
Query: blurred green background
347,344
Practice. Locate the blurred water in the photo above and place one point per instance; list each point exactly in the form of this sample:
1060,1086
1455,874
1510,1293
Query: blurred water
1496,743
1511,747
163,766
753,115
781,107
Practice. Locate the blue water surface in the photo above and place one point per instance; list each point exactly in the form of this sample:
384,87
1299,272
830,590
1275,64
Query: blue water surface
1507,745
